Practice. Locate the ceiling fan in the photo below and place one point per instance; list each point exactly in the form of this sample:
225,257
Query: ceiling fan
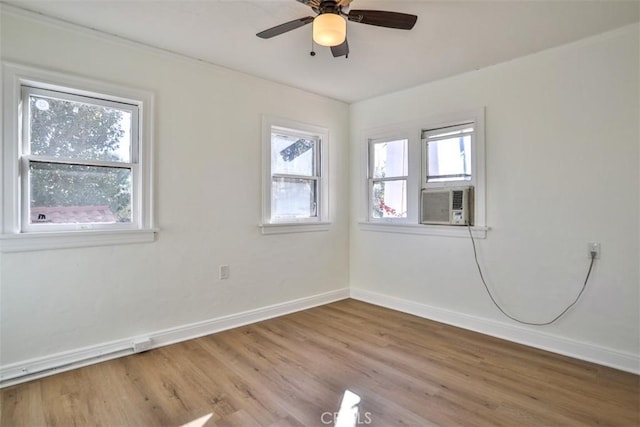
330,25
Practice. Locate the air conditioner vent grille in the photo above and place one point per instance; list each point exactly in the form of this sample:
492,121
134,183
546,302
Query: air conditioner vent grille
435,208
457,199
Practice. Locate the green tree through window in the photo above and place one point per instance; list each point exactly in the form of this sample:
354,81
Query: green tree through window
79,132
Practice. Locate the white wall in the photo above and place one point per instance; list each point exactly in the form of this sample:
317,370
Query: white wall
207,180
562,138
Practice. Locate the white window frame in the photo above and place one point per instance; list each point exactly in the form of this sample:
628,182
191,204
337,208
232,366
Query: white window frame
320,222
16,233
372,180
417,174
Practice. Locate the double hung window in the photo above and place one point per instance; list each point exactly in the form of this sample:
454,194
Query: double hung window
295,190
76,162
388,177
294,175
79,161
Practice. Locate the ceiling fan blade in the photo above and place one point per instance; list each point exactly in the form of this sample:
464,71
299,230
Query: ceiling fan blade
341,49
283,28
311,3
381,18
343,3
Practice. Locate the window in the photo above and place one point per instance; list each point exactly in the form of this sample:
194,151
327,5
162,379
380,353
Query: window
294,176
388,174
448,154
77,159
295,193
404,159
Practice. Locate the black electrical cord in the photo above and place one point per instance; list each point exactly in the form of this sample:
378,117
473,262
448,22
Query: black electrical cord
584,286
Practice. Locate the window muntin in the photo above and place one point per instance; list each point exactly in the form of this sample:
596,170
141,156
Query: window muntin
388,178
79,161
295,176
448,154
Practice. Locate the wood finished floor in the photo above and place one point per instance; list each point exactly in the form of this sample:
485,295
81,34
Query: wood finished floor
290,370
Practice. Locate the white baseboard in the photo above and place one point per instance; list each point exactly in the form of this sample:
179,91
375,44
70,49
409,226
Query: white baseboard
27,370
603,356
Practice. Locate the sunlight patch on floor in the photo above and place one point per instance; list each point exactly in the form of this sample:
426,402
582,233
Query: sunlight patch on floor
199,422
348,413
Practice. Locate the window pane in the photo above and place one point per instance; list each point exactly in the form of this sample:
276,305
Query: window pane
71,194
449,159
390,159
75,130
292,155
389,199
293,198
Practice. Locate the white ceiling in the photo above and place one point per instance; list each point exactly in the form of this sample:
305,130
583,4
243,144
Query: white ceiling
450,37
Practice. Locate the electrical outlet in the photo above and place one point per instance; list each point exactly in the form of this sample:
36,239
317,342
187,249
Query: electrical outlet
593,247
224,272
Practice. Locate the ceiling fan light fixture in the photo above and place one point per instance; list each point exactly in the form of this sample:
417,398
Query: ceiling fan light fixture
329,29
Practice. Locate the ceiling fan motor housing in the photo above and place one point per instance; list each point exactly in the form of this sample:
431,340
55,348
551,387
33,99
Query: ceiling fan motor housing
329,6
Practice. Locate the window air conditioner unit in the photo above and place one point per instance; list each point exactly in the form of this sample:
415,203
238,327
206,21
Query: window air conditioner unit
450,206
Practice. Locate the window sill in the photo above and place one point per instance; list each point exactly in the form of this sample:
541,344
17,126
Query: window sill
289,227
24,242
428,230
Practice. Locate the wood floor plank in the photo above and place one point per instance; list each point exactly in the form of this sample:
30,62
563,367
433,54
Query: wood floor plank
23,405
293,371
